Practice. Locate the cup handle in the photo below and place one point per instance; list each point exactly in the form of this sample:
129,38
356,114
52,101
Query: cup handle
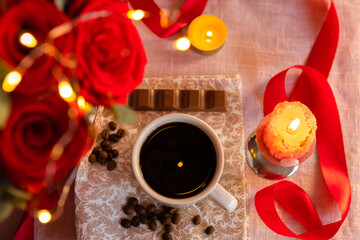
223,198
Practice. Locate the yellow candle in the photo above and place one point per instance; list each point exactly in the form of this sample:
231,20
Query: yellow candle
207,34
290,132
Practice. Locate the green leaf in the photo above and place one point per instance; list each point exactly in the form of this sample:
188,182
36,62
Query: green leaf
124,114
60,4
5,209
5,108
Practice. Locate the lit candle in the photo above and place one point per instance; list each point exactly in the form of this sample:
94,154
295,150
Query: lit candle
207,34
287,134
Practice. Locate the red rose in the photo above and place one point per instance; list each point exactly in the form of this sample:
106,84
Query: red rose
34,127
111,58
38,18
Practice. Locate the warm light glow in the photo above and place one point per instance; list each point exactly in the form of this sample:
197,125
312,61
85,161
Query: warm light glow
136,14
209,33
81,102
293,125
180,164
66,91
182,44
44,216
28,40
12,79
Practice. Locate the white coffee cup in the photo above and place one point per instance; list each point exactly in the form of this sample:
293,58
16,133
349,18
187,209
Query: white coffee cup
214,191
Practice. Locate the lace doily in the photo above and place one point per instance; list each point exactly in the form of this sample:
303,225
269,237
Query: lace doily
100,194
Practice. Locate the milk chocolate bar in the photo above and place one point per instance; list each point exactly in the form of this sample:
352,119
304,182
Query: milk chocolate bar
178,100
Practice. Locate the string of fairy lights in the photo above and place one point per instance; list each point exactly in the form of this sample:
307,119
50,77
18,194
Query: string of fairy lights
65,89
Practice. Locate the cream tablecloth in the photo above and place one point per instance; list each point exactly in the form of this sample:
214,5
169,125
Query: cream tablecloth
265,37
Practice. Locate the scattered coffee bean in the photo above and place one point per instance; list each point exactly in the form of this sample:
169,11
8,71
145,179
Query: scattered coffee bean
115,153
140,209
111,165
151,208
112,125
132,201
166,208
175,218
105,143
169,228
143,219
128,209
173,210
152,225
110,156
151,216
120,133
196,220
135,221
209,230
105,134
165,220
163,214
96,150
92,158
103,154
125,223
100,160
114,138
108,149
167,236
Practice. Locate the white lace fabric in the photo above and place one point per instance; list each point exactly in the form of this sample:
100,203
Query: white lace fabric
101,194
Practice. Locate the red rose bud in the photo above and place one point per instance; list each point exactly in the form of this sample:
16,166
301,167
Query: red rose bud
111,57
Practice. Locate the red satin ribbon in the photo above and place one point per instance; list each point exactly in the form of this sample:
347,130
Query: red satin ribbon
189,10
313,90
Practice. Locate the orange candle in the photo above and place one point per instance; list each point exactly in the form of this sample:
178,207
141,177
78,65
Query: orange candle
289,134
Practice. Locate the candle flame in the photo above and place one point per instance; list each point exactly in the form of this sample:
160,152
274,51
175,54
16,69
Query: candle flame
293,125
209,34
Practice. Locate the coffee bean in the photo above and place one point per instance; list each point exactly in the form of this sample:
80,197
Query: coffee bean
132,201
96,150
92,158
100,160
114,138
167,236
115,153
105,134
108,149
175,218
166,208
103,154
151,208
105,143
173,210
125,223
139,209
120,133
169,228
166,220
209,230
151,216
152,225
111,165
163,214
128,209
196,220
135,221
110,156
112,125
143,219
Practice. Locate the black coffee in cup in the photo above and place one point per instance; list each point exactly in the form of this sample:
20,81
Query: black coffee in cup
178,160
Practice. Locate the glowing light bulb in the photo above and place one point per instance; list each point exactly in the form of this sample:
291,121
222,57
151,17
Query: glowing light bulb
28,40
44,216
293,126
182,44
180,164
66,91
81,102
12,79
136,14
